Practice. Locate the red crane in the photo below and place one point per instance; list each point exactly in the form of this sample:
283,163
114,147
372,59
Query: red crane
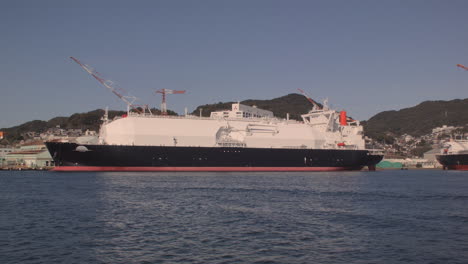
110,85
164,92
310,99
463,67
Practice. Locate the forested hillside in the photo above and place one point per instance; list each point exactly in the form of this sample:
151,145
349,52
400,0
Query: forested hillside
420,119
294,104
416,121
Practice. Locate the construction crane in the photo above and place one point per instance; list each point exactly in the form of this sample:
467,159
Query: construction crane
461,66
310,99
128,99
164,92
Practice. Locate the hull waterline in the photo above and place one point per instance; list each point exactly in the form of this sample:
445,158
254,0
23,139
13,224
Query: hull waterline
74,157
453,161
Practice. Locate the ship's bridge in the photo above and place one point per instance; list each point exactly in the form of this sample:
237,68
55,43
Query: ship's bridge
242,111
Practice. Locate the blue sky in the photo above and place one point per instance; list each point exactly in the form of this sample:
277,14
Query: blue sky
365,56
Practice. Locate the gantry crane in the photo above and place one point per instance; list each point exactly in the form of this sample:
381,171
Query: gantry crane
164,92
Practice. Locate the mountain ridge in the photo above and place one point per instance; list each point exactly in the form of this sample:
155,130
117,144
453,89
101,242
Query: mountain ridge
293,104
420,119
416,120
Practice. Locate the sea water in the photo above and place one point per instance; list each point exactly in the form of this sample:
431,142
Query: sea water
392,216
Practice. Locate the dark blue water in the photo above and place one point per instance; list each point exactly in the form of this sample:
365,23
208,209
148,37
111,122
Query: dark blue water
417,216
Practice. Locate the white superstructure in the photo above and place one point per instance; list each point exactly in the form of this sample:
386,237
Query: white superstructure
242,126
459,146
242,111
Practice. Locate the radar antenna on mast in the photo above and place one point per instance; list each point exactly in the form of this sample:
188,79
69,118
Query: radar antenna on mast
163,103
128,99
310,99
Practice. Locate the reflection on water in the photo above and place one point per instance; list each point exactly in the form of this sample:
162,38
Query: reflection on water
346,217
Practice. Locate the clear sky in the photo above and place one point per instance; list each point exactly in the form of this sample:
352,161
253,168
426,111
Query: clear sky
365,56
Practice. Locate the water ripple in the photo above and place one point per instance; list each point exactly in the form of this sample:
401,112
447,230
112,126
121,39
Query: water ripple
355,217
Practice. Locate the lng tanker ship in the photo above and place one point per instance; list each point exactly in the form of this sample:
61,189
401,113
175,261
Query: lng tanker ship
243,138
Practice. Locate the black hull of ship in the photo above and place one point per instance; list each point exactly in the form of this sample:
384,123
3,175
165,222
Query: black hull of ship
74,157
453,161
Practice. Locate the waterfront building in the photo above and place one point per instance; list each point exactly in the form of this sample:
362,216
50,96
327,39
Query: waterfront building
3,152
31,155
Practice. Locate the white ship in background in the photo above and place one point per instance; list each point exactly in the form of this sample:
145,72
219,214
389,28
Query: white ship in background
454,155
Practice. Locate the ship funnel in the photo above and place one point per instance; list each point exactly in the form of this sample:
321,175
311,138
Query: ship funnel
343,118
